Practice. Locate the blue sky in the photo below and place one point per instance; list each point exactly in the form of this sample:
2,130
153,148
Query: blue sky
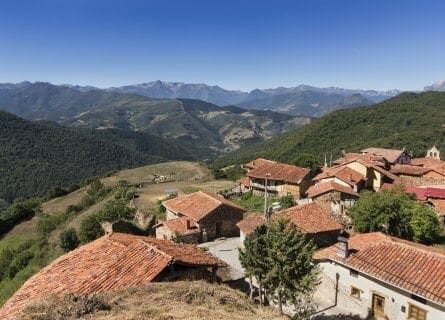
375,44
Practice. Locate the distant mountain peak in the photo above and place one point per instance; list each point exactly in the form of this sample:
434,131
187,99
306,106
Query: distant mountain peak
437,86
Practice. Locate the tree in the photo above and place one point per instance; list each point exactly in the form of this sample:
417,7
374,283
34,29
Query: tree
280,258
396,213
252,257
95,186
291,271
69,240
287,201
306,160
90,228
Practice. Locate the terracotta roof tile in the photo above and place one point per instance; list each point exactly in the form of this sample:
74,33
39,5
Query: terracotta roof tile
413,170
439,205
181,225
389,154
416,268
198,205
250,223
280,172
257,162
424,193
344,173
308,218
245,181
112,262
324,187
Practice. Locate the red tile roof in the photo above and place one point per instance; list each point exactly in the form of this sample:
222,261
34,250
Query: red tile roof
324,187
181,225
415,268
373,159
426,162
413,170
258,162
344,173
198,205
389,154
250,223
424,193
112,262
439,205
279,172
245,181
308,218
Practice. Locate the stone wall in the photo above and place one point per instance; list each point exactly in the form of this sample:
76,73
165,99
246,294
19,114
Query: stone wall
221,222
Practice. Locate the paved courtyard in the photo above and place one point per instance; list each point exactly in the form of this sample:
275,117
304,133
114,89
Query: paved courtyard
226,249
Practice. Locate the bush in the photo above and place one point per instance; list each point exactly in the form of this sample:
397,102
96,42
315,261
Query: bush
397,214
20,261
95,186
90,228
234,173
55,192
69,239
287,202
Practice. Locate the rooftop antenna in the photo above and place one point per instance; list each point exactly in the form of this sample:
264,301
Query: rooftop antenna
325,161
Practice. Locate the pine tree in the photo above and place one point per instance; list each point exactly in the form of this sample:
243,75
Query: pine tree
291,272
253,257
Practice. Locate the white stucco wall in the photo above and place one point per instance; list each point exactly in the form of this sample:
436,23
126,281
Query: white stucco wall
395,298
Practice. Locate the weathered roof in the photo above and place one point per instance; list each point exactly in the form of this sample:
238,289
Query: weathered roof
257,162
415,268
406,169
424,193
439,205
389,154
344,173
324,187
250,223
426,162
111,262
280,172
374,159
308,218
198,205
180,225
245,181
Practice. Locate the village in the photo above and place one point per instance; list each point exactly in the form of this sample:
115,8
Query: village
202,233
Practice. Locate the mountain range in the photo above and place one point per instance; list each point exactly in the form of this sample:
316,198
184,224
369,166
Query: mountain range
414,121
202,124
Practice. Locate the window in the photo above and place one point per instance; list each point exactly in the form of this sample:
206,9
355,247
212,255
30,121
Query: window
416,313
355,292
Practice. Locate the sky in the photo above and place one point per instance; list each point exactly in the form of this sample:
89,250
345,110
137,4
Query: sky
375,44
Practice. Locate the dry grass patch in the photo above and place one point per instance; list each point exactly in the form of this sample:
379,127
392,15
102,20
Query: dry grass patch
161,301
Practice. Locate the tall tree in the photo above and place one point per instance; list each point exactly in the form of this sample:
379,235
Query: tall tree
291,271
253,258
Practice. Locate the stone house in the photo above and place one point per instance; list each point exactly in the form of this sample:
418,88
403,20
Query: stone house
384,276
310,219
113,262
282,179
334,198
418,175
201,216
343,175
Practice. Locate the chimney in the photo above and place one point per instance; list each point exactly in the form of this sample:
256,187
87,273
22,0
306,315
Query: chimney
343,249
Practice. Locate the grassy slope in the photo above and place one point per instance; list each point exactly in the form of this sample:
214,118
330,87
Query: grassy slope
26,234
411,121
176,300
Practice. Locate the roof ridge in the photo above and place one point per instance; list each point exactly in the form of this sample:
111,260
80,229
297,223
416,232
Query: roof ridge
440,253
157,249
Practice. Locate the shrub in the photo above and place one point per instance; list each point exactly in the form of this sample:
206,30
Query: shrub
90,228
69,239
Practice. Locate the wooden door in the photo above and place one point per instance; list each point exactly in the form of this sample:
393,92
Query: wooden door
378,305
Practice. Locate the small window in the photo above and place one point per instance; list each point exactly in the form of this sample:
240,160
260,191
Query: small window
416,313
355,292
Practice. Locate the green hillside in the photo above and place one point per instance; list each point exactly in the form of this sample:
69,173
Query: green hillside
36,156
411,121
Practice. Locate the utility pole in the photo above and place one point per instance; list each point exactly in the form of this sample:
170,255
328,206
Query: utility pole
265,197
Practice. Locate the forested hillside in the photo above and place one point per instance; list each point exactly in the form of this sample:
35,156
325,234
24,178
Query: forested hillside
36,156
410,121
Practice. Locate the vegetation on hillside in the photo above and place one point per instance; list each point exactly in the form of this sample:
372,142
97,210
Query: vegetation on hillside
396,213
38,156
411,121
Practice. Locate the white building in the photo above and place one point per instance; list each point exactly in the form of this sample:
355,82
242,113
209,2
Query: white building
381,275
